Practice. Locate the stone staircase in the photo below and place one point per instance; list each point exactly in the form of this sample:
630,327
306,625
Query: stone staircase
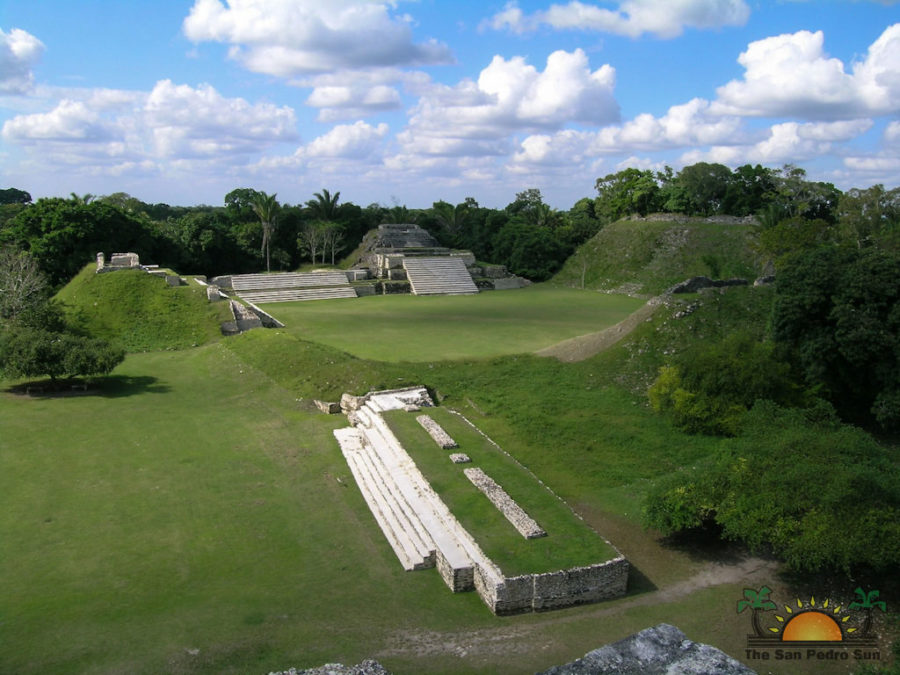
445,275
292,287
255,282
298,294
416,522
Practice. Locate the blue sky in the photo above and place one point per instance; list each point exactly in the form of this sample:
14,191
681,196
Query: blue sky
411,102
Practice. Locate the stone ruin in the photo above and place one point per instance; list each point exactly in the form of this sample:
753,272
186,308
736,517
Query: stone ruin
424,533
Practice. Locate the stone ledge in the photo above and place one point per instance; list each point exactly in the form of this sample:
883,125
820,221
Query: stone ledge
437,433
524,524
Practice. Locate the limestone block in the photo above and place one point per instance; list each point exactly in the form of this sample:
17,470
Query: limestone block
327,407
173,280
494,271
349,402
364,290
460,458
124,260
212,294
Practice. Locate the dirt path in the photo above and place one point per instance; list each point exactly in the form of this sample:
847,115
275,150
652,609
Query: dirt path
585,346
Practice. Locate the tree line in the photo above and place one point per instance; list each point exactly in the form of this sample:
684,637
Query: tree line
252,230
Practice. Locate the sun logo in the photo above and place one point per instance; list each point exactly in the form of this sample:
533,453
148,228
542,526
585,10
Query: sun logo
807,623
811,623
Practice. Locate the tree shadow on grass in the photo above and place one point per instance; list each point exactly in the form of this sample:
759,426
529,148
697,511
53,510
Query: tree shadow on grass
112,386
705,544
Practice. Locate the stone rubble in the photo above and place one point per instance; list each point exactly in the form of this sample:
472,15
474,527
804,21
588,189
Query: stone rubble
524,524
437,433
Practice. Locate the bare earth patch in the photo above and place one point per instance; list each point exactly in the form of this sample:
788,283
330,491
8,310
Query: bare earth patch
585,346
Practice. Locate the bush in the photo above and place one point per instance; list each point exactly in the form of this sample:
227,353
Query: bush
768,489
711,387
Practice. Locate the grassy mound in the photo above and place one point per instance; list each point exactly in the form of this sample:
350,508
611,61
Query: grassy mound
141,312
647,257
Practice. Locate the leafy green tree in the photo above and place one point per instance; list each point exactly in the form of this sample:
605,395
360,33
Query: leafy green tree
869,215
625,193
266,209
767,488
710,388
751,189
705,187
837,313
14,196
529,251
30,352
63,235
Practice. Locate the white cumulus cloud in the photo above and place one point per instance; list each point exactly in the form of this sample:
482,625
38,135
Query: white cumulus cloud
348,141
68,121
200,121
19,52
791,75
288,38
633,18
476,117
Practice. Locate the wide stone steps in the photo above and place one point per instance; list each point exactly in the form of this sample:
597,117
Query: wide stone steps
299,294
439,276
450,539
391,513
251,282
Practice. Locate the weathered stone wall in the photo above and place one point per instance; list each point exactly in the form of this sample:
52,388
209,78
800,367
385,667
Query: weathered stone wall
580,585
437,433
552,590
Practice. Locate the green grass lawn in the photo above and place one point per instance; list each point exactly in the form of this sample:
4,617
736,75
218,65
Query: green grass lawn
569,542
193,515
423,328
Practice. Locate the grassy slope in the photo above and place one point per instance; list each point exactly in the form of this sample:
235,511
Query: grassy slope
142,312
414,328
649,257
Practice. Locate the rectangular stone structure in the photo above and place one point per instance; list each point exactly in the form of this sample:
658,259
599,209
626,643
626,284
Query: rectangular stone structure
437,433
524,524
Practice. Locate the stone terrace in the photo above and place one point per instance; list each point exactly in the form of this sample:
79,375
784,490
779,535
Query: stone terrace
424,533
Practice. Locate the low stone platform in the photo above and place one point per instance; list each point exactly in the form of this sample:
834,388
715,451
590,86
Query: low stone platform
424,533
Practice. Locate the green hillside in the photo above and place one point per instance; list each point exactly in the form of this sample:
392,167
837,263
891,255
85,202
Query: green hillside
647,257
141,312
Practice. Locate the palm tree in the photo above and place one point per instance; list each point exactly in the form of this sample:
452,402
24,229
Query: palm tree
756,600
266,209
324,206
451,218
867,603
